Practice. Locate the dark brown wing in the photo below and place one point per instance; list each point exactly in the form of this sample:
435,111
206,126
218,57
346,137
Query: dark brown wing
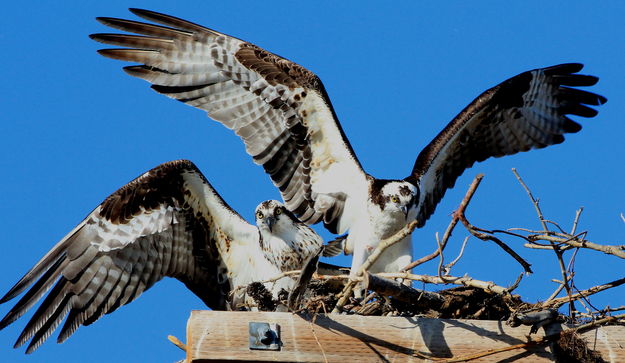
160,224
525,112
279,109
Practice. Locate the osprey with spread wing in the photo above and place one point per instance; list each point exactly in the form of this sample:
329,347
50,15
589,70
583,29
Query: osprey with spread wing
169,222
282,113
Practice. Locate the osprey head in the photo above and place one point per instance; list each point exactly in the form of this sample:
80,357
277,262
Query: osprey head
396,198
272,217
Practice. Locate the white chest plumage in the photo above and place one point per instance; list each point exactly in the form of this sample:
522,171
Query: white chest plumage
366,235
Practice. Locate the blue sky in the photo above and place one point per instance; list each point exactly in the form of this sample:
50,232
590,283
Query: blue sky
75,128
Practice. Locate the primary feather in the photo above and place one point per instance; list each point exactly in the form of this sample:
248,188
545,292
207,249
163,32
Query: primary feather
169,222
285,119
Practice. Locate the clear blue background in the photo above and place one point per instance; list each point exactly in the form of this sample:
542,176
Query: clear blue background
75,128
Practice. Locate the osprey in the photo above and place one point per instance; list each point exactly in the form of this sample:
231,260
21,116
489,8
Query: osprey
285,118
169,222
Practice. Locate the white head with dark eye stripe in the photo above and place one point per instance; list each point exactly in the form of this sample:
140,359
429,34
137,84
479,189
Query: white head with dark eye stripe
273,218
395,199
284,239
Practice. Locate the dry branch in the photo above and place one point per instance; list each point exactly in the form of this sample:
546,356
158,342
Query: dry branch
454,220
401,292
582,294
615,250
486,235
487,286
177,342
384,244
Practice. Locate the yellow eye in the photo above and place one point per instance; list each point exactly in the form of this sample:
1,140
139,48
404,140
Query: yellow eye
278,211
394,199
259,215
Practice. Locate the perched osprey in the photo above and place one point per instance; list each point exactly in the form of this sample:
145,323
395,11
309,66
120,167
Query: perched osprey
169,222
283,114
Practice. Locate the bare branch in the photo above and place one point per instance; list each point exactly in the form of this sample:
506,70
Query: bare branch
558,252
534,200
516,283
578,213
488,286
401,292
422,260
616,250
598,322
384,244
489,237
611,310
177,342
454,220
448,266
593,290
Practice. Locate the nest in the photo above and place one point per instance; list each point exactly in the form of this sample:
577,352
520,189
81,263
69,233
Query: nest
321,296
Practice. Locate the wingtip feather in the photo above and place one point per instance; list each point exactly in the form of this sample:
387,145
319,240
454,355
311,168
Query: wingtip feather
564,68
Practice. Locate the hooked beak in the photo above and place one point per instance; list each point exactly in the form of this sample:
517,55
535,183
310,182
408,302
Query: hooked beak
404,209
270,221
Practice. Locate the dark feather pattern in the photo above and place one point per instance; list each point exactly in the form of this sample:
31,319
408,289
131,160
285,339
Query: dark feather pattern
151,228
525,112
254,92
283,115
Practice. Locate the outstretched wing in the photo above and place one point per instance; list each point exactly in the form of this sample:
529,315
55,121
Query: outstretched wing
525,112
168,222
279,109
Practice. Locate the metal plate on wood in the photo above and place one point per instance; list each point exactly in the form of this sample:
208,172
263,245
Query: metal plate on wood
217,336
264,336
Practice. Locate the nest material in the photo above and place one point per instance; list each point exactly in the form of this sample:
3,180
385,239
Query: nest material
455,303
570,347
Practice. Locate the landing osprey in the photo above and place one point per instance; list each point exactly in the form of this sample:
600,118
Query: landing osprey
169,222
283,114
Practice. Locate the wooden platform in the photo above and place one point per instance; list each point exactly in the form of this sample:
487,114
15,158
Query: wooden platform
218,336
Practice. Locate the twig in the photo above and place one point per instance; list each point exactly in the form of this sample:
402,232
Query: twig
534,200
441,261
489,237
558,252
538,246
452,224
312,328
487,286
422,260
555,225
401,292
593,290
565,280
429,279
598,322
452,263
177,342
616,250
577,214
384,244
610,310
555,293
516,283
